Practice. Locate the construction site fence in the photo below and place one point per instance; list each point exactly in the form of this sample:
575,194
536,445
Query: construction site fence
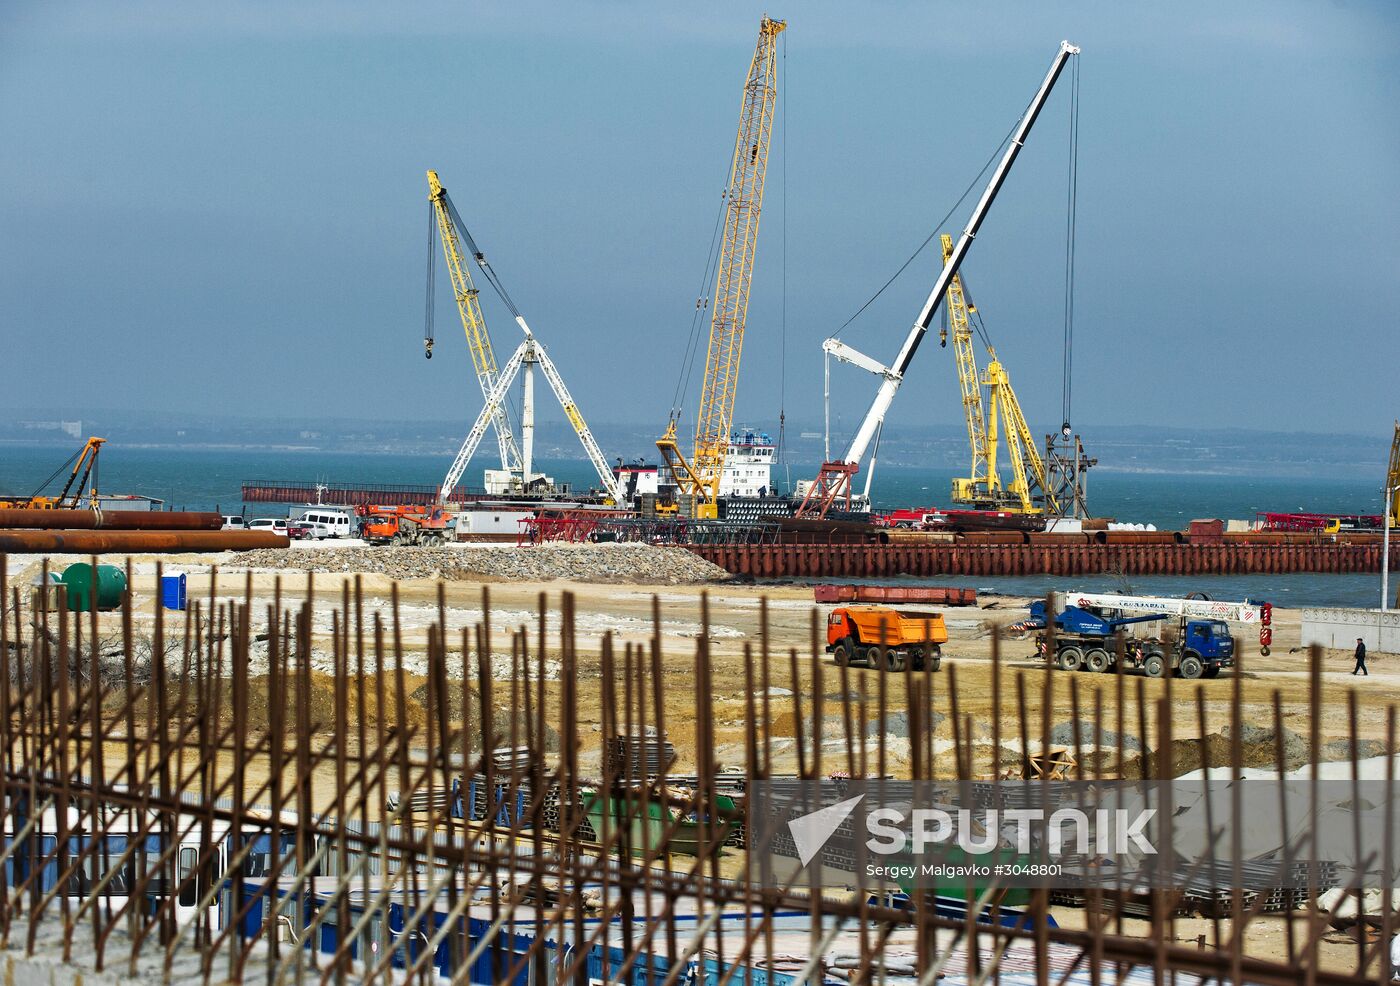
270,788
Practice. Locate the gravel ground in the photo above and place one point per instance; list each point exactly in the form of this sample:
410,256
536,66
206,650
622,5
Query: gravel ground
639,563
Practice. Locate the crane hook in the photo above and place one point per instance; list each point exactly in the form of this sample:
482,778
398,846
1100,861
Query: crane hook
427,349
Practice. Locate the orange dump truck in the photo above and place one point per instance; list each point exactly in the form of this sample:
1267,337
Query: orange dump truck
878,636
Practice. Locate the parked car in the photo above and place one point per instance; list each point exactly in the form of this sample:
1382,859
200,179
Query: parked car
277,525
233,522
339,523
319,531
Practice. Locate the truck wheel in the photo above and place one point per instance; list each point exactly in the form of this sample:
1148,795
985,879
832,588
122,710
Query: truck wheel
1192,667
1154,665
894,660
1096,660
842,652
1071,658
1212,671
396,540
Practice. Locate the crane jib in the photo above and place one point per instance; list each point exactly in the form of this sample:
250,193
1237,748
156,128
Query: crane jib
980,212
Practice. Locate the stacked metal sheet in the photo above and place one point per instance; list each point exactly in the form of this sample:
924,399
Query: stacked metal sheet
1004,795
730,784
512,758
512,801
422,802
550,811
639,755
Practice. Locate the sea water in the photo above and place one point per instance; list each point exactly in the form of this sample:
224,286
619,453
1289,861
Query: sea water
211,479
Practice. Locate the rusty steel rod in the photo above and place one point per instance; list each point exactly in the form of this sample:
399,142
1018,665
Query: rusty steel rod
242,730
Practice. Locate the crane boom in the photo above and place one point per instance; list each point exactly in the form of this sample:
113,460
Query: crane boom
527,355
1392,479
956,309
849,354
983,487
450,229
1026,463
84,463
835,477
701,475
1207,609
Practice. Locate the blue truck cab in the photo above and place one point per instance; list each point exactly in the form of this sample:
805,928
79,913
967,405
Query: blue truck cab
1210,642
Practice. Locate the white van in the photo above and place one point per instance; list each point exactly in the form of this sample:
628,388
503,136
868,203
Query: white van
339,523
234,522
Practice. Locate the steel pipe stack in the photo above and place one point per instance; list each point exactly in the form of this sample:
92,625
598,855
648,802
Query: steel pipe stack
108,520
59,542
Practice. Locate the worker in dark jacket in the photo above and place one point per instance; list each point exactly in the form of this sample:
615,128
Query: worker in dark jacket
1360,658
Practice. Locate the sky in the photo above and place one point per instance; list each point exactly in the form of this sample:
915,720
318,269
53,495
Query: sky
222,208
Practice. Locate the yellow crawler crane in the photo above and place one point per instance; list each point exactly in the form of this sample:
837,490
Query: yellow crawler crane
699,477
83,461
958,310
1028,491
473,322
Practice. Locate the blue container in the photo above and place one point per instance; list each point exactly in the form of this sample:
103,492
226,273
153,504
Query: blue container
172,591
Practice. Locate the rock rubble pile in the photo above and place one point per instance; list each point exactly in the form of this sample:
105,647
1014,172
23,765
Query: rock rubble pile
637,563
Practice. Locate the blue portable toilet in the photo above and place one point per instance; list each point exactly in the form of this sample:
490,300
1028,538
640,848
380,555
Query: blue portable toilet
172,591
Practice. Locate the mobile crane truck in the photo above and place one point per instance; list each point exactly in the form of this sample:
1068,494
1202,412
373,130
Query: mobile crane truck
1086,639
403,525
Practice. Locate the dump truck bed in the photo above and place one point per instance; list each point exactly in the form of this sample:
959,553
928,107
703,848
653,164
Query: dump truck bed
899,628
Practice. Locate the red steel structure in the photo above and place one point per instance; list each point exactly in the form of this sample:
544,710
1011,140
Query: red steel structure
1318,522
987,559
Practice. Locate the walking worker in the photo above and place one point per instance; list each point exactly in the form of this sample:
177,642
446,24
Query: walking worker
1360,658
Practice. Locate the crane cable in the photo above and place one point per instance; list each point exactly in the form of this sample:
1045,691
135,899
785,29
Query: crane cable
56,473
480,258
511,412
428,312
1071,209
702,305
937,226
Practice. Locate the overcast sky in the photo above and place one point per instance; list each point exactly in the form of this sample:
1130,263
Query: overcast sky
223,208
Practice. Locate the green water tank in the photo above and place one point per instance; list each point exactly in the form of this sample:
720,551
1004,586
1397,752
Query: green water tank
89,586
